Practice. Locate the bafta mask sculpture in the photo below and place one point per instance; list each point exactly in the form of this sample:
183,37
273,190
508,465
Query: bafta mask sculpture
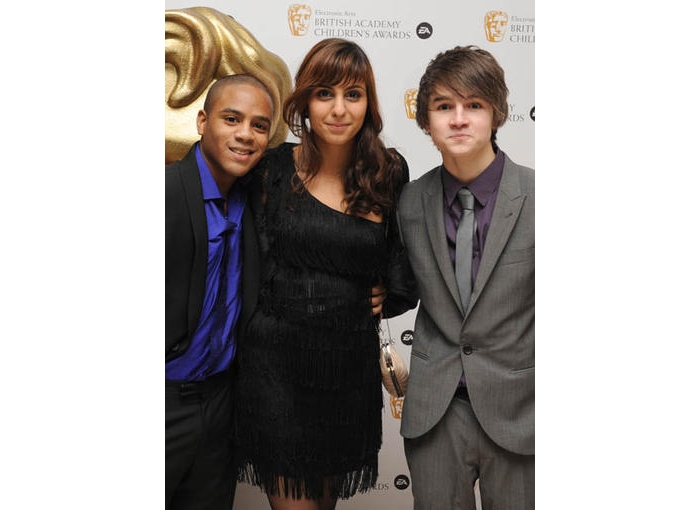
495,24
409,102
201,46
299,17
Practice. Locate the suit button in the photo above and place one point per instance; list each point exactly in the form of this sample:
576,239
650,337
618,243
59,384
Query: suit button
175,348
467,349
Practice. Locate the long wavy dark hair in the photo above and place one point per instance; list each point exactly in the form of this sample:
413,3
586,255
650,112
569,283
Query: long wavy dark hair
373,170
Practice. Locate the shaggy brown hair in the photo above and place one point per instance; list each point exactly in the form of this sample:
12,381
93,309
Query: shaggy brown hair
466,70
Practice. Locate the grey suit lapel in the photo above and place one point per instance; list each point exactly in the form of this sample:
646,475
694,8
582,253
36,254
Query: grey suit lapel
509,201
435,225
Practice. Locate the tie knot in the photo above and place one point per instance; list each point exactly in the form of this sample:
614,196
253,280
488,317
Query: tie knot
466,199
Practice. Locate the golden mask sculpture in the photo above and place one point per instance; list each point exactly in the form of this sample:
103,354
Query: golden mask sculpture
201,46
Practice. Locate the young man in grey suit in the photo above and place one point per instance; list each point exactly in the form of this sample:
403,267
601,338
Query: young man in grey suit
469,411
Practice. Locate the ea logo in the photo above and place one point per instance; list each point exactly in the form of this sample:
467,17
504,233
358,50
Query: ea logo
532,114
424,30
407,337
401,482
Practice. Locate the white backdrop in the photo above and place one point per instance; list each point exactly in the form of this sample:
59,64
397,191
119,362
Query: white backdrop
400,38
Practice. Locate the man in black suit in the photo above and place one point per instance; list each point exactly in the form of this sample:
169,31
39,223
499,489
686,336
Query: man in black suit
211,286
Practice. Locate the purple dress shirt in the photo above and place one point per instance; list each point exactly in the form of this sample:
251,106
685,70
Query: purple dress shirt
213,344
484,188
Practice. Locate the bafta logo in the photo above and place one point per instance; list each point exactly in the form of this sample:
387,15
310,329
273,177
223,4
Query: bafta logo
396,407
299,18
495,25
409,103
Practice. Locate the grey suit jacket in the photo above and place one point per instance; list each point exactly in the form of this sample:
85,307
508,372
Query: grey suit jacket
494,343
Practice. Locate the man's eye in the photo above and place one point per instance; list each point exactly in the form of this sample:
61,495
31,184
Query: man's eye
232,119
261,126
475,105
443,107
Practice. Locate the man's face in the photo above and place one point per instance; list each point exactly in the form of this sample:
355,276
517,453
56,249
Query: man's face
460,127
235,132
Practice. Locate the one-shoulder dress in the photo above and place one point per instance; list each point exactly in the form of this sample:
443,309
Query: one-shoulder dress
308,389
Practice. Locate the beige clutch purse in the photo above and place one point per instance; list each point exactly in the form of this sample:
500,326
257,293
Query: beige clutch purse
394,370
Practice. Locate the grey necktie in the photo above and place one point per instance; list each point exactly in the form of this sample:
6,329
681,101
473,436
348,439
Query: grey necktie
463,246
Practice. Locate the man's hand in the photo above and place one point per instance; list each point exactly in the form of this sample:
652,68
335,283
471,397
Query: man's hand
378,297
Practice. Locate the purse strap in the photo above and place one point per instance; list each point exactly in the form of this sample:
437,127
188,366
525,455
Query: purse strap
380,331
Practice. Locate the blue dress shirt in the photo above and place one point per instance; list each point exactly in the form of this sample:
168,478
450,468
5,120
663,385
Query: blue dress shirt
213,344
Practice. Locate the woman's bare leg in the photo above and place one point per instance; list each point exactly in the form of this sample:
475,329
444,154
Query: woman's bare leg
282,502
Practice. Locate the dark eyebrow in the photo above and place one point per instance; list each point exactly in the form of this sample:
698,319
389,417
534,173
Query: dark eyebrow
230,110
238,112
345,86
470,97
437,99
264,119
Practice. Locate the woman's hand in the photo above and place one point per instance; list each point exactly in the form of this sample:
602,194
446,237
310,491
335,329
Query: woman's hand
378,297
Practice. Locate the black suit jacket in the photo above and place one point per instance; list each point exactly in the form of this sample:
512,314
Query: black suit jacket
186,249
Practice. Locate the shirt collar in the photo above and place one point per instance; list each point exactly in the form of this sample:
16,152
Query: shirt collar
483,187
210,190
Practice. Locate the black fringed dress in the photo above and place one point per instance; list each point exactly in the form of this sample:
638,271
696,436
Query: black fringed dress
308,391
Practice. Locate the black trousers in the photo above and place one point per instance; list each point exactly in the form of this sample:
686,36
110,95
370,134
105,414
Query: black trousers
199,471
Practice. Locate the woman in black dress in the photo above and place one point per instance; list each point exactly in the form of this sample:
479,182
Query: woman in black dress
308,394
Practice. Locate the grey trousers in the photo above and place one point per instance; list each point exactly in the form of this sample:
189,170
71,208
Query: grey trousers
446,462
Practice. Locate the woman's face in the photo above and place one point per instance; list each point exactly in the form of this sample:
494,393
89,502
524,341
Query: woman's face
337,113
